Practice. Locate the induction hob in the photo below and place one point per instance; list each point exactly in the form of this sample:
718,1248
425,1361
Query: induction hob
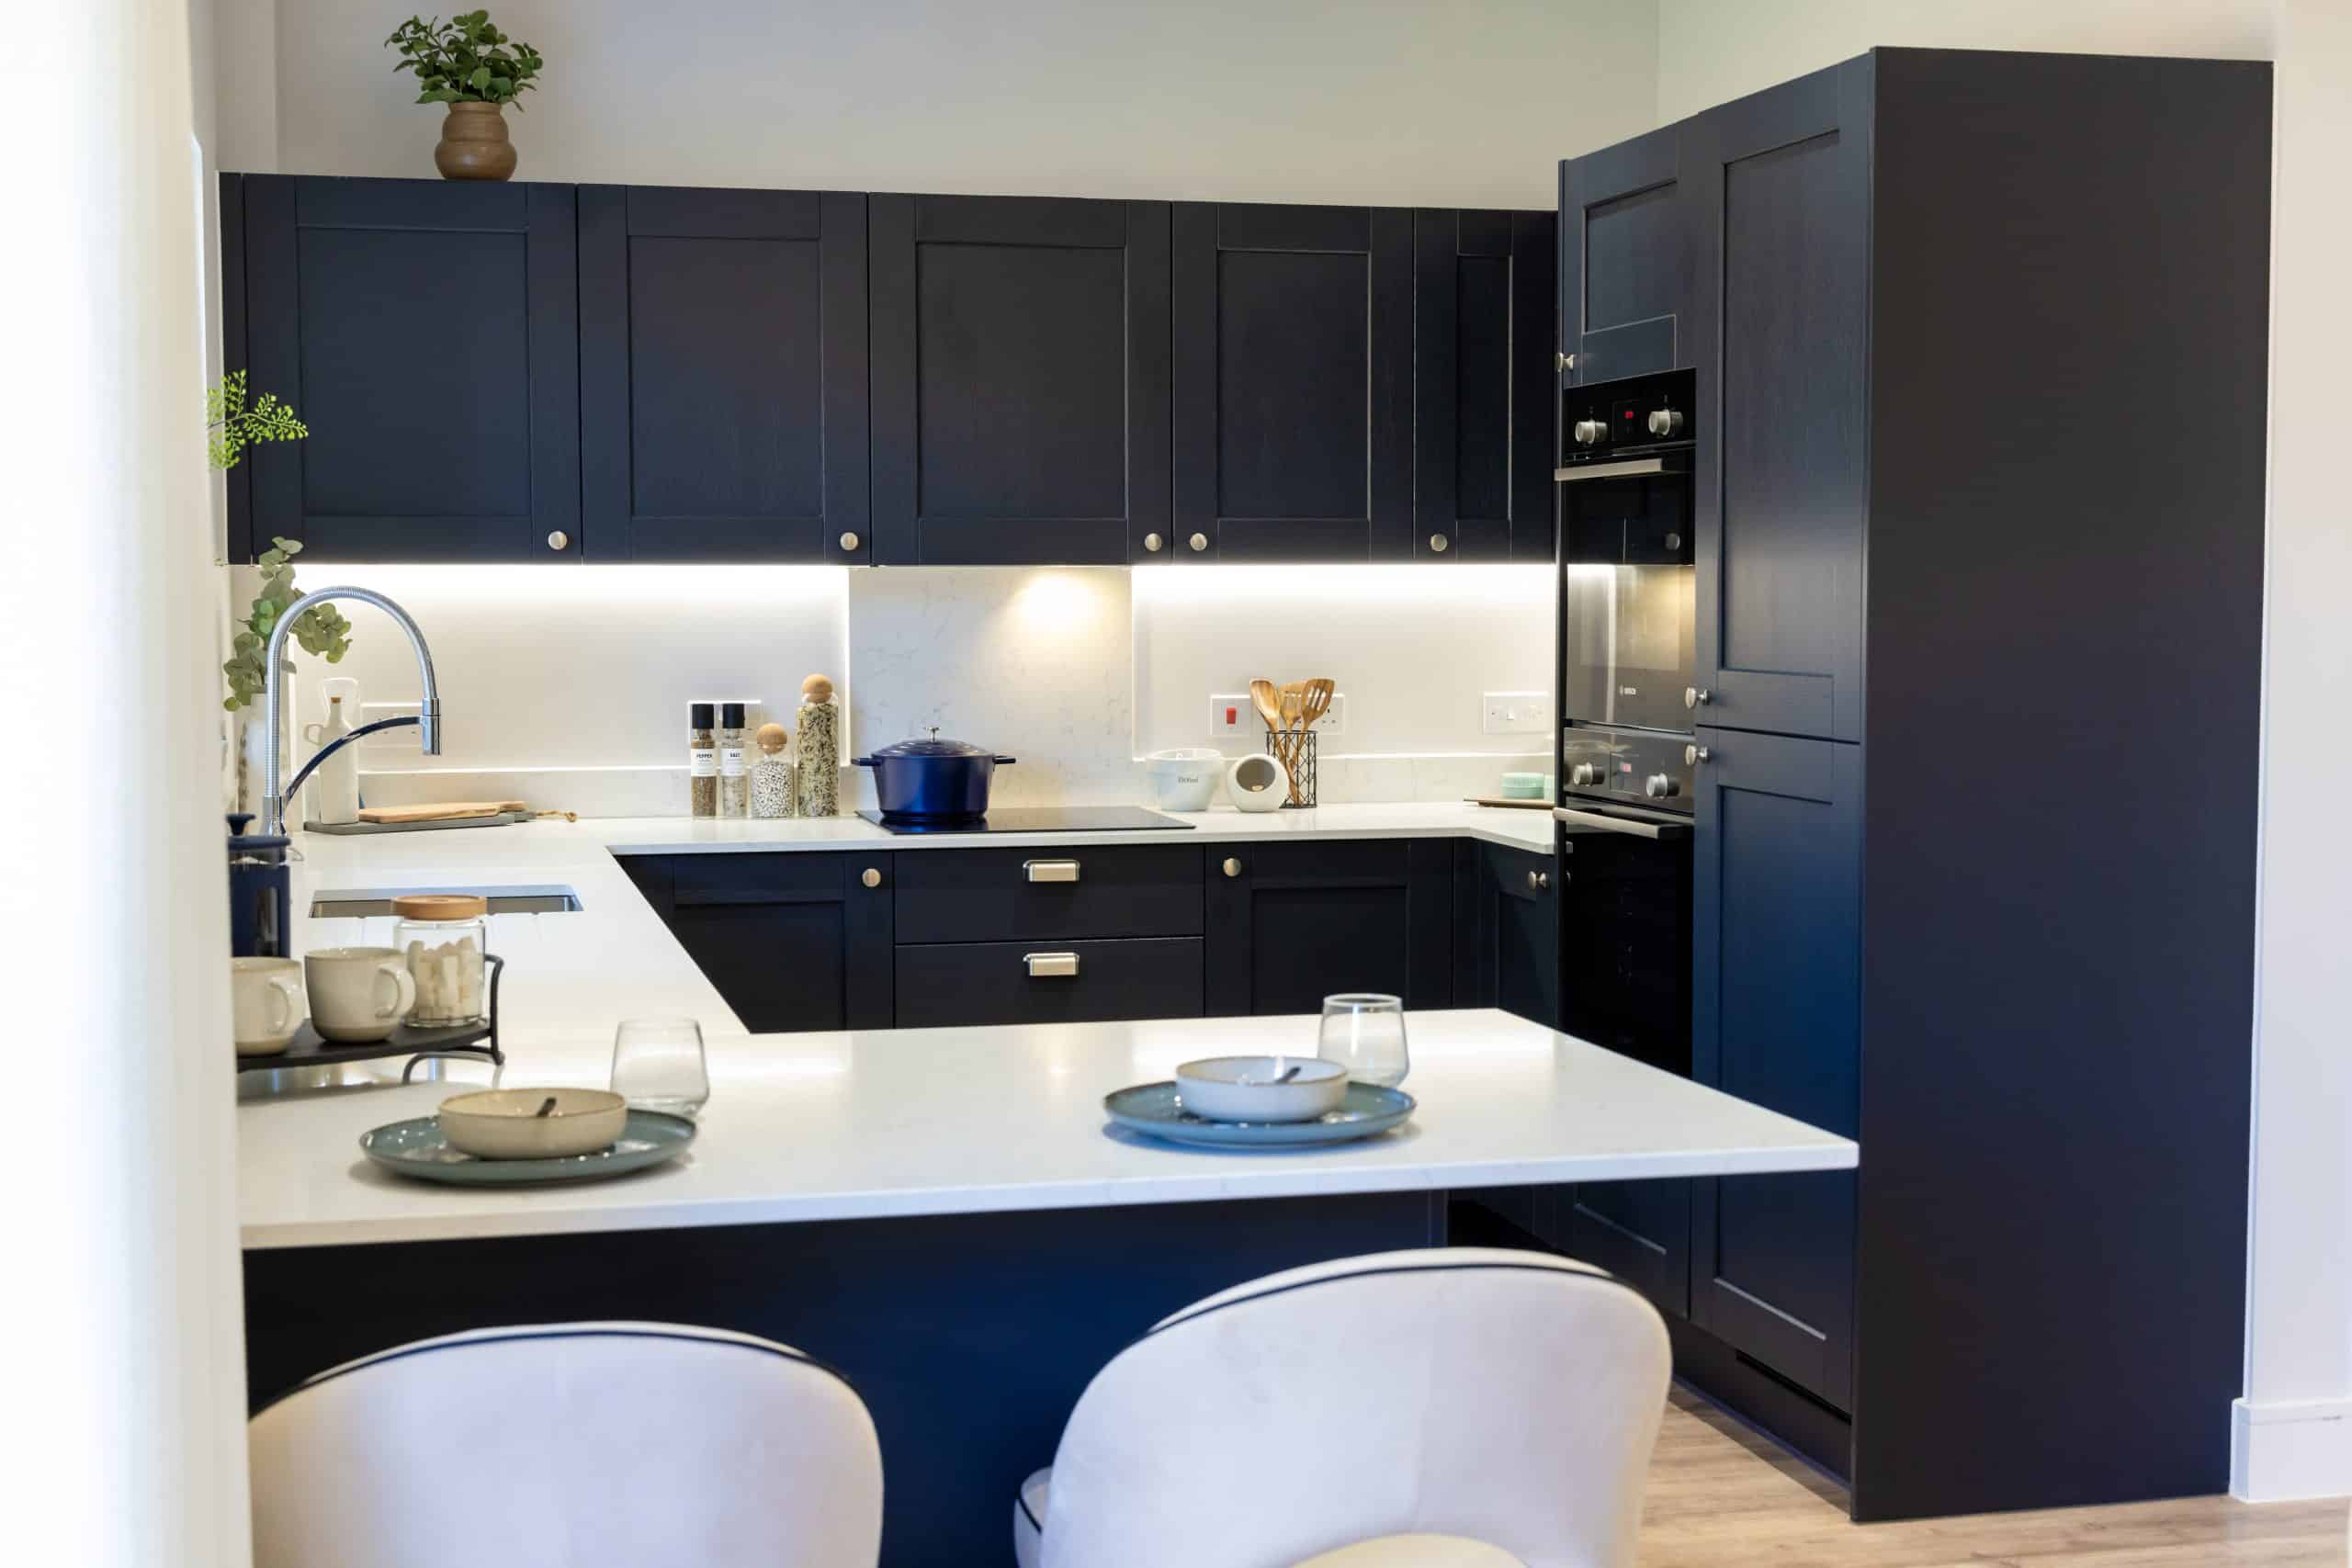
1040,819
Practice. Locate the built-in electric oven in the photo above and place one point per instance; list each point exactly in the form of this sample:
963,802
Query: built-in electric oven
1628,617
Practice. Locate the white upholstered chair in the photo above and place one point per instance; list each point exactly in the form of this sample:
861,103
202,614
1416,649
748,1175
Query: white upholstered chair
1461,1407
571,1444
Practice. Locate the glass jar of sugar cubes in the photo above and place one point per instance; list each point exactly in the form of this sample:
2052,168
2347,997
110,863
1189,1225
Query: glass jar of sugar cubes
442,938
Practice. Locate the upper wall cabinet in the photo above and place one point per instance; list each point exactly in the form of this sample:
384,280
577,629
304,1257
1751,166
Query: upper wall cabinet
1628,245
1294,410
723,375
1483,385
427,333
1019,379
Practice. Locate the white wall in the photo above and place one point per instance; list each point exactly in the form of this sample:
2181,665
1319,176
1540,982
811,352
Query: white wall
126,1366
1711,51
2292,1431
1251,100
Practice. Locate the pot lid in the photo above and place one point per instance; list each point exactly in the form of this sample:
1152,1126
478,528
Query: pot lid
932,746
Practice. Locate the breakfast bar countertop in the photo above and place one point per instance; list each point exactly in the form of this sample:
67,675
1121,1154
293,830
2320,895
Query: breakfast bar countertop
889,1122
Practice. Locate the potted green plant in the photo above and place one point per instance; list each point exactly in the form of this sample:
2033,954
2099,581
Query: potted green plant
469,64
233,422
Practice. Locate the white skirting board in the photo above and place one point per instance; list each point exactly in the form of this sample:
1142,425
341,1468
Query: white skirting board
2288,1450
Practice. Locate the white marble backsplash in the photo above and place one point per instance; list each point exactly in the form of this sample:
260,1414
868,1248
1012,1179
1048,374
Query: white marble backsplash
567,686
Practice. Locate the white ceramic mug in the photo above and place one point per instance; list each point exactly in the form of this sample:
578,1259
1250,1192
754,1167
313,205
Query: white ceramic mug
268,997
357,994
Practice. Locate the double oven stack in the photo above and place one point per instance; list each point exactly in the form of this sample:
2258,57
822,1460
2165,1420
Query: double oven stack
1628,614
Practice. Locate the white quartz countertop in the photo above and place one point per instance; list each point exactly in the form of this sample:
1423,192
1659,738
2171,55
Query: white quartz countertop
574,975
874,1123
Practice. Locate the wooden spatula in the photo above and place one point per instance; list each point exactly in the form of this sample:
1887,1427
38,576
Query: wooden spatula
1315,703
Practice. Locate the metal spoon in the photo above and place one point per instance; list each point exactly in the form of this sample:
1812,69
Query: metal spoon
546,1109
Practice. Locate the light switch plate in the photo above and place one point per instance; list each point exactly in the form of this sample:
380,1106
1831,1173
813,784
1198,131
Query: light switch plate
1517,713
1232,714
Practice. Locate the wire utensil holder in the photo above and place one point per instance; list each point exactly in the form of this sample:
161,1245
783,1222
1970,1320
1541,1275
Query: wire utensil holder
1295,749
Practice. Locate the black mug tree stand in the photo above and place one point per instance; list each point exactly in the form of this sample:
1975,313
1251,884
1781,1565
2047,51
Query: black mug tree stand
461,1041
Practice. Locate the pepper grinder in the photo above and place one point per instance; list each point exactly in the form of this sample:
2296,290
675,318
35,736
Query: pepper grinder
818,745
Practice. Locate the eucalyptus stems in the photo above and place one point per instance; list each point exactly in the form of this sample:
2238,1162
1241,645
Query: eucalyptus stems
232,424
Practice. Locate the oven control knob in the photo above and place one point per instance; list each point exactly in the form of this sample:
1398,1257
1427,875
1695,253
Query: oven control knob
1665,421
1589,432
1584,775
1659,786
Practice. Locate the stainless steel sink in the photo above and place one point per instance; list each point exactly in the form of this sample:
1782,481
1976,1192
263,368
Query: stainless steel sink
361,902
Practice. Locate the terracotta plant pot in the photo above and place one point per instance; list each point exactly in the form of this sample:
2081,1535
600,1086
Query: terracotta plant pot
473,144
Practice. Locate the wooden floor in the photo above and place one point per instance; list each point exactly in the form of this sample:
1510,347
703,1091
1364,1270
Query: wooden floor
1720,1496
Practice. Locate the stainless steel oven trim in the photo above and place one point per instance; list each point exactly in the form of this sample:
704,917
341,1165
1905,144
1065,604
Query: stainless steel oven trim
1618,471
1637,827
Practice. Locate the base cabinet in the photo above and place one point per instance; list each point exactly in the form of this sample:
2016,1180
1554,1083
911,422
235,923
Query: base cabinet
792,941
1290,924
1507,953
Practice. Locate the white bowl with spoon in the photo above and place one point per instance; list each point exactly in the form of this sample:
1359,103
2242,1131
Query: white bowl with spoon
1262,1089
533,1123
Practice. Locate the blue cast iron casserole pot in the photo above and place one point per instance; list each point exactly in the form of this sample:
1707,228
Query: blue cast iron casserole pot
932,780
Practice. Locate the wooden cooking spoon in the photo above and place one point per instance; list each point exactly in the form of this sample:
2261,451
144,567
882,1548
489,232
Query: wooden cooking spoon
1268,703
1293,693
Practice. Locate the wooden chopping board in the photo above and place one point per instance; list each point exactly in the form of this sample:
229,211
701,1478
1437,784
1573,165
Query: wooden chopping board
443,811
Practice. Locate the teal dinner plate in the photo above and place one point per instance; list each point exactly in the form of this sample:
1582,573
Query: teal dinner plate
415,1147
1152,1109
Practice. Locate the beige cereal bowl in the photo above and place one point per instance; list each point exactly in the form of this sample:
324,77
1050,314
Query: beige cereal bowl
505,1123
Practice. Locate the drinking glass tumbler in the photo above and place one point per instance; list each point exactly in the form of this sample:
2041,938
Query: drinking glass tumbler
1366,1032
657,1064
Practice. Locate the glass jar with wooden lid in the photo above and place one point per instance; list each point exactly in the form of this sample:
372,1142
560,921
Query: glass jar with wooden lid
443,938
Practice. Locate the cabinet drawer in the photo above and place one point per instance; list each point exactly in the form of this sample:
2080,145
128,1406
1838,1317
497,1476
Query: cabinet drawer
1048,893
1077,982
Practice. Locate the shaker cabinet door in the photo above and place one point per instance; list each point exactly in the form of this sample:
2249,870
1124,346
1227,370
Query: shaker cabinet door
790,942
1507,924
1290,924
1019,379
723,375
1776,960
427,332
1294,383
1781,342
1483,384
1628,242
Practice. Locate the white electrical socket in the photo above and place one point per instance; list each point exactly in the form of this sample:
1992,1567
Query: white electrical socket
1517,713
1231,714
389,739
1335,718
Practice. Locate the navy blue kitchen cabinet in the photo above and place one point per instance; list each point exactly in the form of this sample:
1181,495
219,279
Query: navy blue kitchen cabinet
1294,383
1486,437
1780,337
1629,243
1290,924
427,333
723,375
792,941
1020,380
1507,930
1776,946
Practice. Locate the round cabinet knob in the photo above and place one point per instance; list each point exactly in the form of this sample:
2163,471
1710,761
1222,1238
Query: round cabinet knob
1665,421
559,540
849,541
1584,775
1153,543
1589,432
1232,867
1437,543
1199,541
1660,786
1696,696
870,877
1694,755
1538,880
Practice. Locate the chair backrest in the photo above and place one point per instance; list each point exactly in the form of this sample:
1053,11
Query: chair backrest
1511,1397
570,1444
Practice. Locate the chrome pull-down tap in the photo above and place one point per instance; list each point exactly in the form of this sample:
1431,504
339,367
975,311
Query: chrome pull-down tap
428,722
